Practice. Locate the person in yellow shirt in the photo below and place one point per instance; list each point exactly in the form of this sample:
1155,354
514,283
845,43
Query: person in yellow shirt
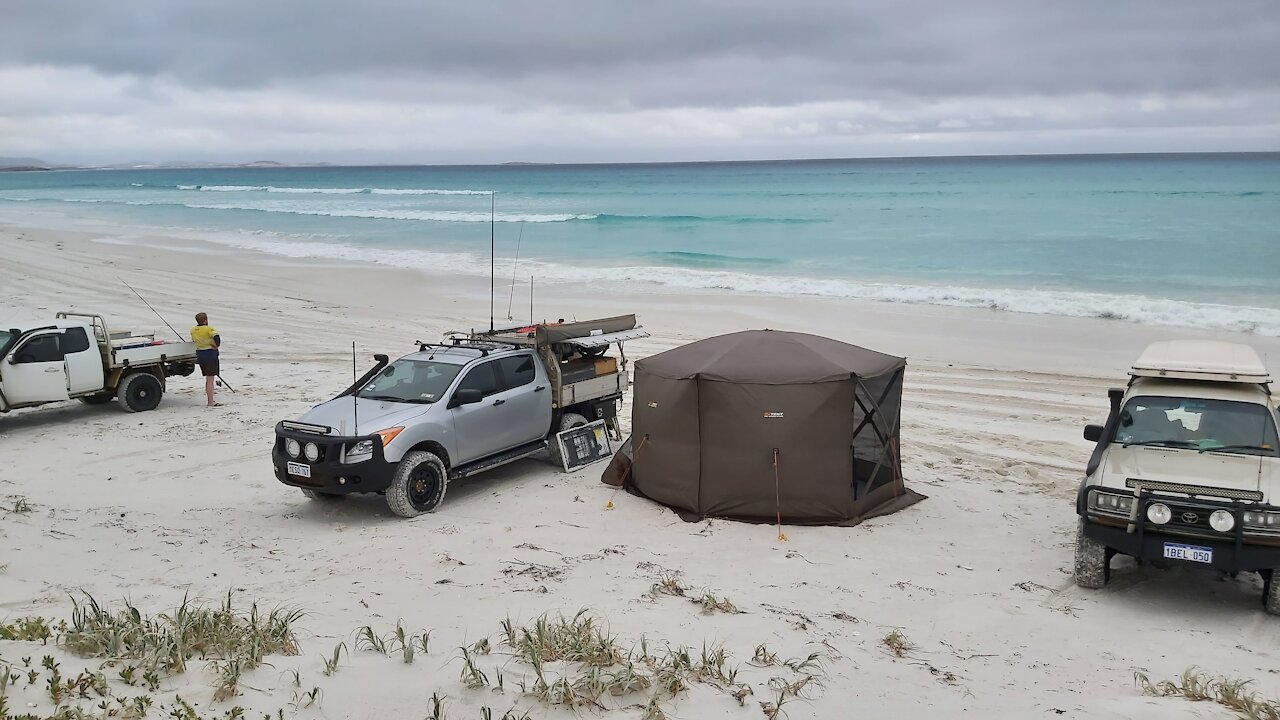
207,342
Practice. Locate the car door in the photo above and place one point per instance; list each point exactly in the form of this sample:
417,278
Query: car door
82,360
34,371
526,392
478,427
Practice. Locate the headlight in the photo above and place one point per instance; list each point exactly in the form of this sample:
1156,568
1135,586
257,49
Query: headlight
312,451
389,434
1262,520
1110,503
1222,521
359,451
1159,513
293,447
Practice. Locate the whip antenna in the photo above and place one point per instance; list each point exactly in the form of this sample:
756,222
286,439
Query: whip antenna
515,265
355,403
144,302
493,204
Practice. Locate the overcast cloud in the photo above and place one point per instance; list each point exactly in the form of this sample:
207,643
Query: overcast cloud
596,80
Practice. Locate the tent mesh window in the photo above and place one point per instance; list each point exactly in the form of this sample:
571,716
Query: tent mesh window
877,416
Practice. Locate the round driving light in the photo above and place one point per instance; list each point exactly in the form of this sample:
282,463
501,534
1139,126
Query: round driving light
292,447
1221,520
312,452
1159,513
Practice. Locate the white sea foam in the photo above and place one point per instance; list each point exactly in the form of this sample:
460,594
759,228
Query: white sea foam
1135,308
430,215
425,191
399,214
328,191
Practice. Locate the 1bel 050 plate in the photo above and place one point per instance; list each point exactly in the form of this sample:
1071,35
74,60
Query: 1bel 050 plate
305,470
1189,553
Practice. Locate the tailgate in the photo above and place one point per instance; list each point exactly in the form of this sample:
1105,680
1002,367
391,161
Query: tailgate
153,354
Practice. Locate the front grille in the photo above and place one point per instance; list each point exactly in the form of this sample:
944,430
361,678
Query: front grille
1191,519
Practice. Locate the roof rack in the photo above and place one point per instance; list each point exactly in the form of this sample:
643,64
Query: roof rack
484,347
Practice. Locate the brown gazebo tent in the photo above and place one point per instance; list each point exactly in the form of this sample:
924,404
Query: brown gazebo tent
765,425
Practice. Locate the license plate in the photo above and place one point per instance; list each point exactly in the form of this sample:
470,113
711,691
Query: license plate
299,469
1190,553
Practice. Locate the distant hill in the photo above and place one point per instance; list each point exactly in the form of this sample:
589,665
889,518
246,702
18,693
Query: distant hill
203,164
25,163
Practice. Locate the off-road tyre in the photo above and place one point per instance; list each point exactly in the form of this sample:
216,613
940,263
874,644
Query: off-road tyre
418,485
1093,560
140,392
322,496
97,399
567,421
1271,591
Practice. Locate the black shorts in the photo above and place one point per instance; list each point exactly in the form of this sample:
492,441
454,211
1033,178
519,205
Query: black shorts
208,360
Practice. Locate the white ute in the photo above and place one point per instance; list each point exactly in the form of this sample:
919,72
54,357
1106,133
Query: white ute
1187,468
79,357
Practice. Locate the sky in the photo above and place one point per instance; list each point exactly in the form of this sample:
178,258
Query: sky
422,81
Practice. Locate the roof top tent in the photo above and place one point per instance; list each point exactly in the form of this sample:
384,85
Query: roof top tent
1204,360
575,354
770,426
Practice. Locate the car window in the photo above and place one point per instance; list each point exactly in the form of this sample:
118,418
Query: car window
411,381
481,377
74,340
42,348
1200,423
516,371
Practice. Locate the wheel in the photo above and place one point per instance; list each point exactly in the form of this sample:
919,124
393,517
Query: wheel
99,399
418,485
1271,591
1093,564
317,495
140,392
567,421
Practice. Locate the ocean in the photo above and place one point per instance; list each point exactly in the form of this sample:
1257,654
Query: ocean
1180,240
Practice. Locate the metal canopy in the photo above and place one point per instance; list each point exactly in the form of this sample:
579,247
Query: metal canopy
601,340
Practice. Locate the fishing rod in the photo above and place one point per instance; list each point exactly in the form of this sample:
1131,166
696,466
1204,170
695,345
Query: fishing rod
166,322
144,302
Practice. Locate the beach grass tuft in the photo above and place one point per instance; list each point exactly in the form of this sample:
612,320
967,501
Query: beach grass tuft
897,643
1199,686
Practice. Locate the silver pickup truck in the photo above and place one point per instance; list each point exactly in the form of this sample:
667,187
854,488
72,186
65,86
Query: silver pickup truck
454,409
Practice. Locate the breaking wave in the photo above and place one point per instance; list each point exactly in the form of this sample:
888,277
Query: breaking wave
1133,308
401,214
328,191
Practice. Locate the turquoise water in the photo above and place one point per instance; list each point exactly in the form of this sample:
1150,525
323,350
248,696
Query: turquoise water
1188,240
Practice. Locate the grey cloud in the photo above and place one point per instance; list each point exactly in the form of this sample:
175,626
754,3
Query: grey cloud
665,53
596,80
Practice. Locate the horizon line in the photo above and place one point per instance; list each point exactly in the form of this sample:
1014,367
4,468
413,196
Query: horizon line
217,164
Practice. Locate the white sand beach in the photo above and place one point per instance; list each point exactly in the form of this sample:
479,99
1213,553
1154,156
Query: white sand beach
153,506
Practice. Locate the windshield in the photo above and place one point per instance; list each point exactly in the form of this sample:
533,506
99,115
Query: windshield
6,337
412,381
1199,424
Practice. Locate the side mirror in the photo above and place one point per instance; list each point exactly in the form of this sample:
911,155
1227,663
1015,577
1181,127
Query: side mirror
465,396
1093,433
